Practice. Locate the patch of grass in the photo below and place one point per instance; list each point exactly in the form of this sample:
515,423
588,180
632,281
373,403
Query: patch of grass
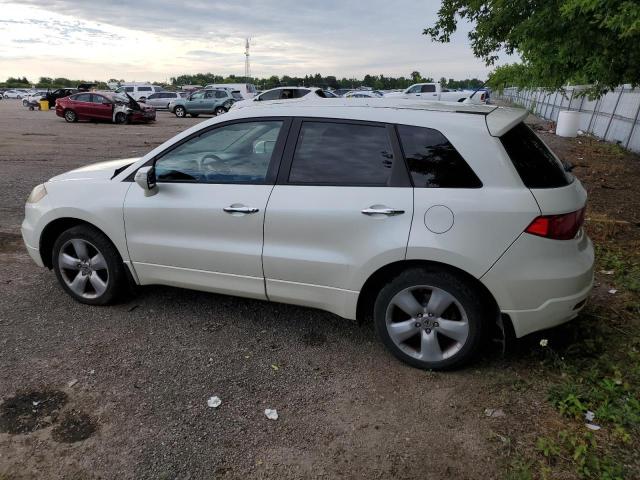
519,470
626,269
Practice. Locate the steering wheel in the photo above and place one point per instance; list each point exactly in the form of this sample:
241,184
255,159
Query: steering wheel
212,164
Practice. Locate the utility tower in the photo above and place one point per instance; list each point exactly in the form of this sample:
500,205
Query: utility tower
247,63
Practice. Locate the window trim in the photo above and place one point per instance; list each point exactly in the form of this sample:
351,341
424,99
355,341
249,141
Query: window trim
399,176
274,164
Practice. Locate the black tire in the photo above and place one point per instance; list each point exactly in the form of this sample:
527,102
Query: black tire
180,111
195,115
24,102
219,111
121,118
70,116
469,302
116,276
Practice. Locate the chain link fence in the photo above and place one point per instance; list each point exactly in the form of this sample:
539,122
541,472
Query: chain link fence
615,117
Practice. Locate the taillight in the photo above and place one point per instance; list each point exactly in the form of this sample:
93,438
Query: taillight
557,227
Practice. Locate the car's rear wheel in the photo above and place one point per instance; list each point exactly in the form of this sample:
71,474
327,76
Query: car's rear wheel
180,112
121,118
88,266
430,318
219,111
70,116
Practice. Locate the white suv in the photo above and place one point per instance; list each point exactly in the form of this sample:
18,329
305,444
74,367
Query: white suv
436,219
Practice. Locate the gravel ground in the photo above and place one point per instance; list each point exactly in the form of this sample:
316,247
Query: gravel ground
139,374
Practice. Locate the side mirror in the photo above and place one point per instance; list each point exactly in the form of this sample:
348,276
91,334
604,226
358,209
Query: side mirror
146,179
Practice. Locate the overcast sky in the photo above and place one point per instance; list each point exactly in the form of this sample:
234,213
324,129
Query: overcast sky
157,39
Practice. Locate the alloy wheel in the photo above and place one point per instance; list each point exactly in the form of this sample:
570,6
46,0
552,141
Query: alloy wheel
83,268
427,323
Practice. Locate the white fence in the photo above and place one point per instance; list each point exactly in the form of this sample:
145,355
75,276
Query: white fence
613,117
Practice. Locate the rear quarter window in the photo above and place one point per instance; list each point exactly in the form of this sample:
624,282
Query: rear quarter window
536,165
432,161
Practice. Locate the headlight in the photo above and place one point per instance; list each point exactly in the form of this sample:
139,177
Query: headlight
37,194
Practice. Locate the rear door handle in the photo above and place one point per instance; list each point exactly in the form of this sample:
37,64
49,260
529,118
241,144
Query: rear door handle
234,209
390,212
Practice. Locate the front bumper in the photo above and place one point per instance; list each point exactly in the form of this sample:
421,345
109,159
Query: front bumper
541,283
28,238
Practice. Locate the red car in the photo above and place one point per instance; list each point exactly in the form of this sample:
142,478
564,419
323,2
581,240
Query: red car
103,106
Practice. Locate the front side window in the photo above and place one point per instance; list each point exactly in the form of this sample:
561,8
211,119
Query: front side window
237,153
99,99
197,96
145,89
433,162
414,89
83,97
342,154
128,89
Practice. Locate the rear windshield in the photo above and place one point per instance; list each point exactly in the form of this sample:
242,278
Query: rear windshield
536,165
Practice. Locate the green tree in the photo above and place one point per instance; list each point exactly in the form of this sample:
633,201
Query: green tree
559,41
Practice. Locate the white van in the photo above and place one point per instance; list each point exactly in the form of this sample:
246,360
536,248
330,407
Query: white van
139,91
247,90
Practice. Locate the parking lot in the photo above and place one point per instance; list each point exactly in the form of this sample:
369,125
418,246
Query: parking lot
142,371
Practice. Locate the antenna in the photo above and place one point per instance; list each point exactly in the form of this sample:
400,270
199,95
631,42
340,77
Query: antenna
247,63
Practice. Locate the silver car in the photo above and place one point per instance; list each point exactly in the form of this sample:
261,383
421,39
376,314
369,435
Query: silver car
161,100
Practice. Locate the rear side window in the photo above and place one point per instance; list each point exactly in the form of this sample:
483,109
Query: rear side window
433,162
536,165
342,154
428,88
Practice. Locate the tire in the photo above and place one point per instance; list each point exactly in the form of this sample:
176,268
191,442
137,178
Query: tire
195,115
180,111
121,118
90,279
19,97
24,102
424,337
219,111
70,116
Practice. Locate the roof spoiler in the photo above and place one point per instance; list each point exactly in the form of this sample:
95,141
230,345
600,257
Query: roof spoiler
502,119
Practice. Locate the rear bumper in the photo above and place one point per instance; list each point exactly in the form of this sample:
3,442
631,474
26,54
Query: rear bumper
541,283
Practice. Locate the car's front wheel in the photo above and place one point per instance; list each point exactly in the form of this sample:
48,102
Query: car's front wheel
121,118
180,112
430,318
88,266
70,116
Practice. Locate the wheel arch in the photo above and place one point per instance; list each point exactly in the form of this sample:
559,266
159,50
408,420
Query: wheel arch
379,278
53,230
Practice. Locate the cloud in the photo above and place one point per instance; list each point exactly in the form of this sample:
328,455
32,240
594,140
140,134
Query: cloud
333,37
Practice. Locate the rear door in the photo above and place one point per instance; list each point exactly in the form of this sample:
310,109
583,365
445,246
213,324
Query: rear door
342,208
102,107
82,105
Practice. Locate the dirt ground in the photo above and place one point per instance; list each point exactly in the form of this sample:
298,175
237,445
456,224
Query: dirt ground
131,382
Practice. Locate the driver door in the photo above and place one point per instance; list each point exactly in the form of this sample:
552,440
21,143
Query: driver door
194,102
204,227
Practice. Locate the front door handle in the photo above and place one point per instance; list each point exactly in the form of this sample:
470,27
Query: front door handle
390,212
240,209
